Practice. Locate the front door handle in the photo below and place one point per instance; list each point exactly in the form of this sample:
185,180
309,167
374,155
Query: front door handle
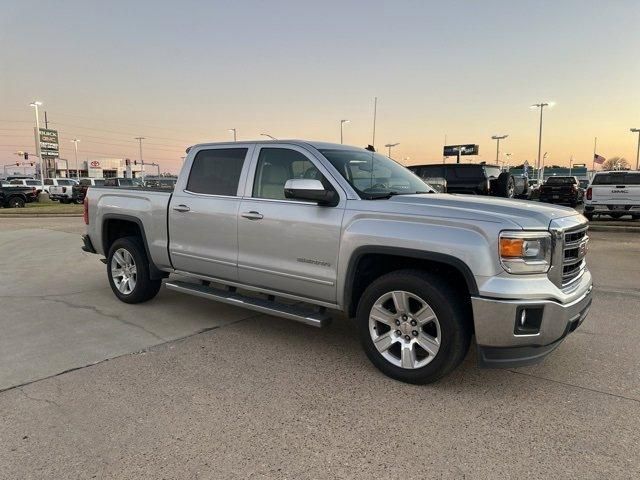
181,208
253,215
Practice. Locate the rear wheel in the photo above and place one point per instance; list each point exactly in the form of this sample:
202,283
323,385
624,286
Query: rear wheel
128,271
16,202
616,215
506,185
413,326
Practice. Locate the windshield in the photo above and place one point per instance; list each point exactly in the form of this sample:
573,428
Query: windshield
373,175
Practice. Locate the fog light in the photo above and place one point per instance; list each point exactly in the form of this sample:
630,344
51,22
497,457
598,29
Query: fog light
528,320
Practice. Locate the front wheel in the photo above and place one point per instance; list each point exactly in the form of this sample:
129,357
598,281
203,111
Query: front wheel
128,271
413,326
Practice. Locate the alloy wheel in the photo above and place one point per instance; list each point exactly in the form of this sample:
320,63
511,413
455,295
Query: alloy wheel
123,271
405,329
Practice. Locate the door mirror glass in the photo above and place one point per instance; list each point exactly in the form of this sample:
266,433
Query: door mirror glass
310,190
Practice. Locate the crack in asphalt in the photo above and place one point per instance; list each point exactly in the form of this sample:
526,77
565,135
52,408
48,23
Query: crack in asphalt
144,350
36,399
566,384
97,310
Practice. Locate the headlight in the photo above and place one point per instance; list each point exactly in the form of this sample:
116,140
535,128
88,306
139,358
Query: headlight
525,252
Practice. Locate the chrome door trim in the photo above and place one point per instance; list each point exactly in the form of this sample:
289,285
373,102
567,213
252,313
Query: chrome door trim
287,275
204,259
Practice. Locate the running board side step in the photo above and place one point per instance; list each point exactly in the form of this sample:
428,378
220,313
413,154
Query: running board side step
270,307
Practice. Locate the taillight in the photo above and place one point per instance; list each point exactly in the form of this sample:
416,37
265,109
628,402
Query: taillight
589,193
64,189
85,214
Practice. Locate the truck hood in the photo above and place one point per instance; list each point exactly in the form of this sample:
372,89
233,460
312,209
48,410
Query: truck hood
523,213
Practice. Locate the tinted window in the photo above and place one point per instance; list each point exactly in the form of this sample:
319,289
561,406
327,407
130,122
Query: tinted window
33,182
48,181
617,178
560,180
16,182
85,183
66,182
429,171
217,172
98,183
276,166
467,171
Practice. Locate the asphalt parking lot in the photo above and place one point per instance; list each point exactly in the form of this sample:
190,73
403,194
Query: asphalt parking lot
182,387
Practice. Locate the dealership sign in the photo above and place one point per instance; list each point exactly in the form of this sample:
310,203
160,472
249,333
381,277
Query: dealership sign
49,146
454,150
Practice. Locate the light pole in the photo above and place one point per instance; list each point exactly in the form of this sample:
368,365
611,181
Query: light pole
497,138
75,145
235,132
342,122
390,145
637,130
541,106
35,104
267,135
141,160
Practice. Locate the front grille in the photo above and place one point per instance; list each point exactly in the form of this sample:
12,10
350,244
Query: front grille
575,250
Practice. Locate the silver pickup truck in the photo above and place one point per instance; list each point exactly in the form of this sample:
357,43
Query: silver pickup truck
298,229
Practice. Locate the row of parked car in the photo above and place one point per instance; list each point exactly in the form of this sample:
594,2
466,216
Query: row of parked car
16,192
611,193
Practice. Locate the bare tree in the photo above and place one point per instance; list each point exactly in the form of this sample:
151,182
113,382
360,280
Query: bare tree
616,163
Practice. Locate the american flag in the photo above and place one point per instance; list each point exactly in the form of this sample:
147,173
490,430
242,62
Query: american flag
599,159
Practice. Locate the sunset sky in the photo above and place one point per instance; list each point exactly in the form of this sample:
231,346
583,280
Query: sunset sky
184,72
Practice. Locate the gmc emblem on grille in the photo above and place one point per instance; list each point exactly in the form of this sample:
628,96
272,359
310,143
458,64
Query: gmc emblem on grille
582,250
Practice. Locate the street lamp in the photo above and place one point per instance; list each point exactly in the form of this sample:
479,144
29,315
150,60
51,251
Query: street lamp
35,104
235,132
342,122
267,135
637,130
390,145
497,138
141,160
75,144
541,106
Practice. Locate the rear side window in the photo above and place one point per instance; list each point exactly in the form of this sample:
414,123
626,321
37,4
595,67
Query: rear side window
470,171
48,181
217,172
66,182
99,183
85,183
33,182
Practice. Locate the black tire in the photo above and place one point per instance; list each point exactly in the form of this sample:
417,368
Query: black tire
145,288
78,201
506,185
616,216
452,313
15,202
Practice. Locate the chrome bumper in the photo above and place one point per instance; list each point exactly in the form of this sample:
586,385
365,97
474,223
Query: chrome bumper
499,345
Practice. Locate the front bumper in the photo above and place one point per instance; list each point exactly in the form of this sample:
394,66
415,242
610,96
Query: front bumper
499,344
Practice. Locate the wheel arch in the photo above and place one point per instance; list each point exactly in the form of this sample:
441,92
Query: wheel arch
115,226
370,262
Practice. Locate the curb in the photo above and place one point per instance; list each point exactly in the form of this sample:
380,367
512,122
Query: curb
613,228
41,215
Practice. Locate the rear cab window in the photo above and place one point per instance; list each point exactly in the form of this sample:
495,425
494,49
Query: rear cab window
616,178
217,171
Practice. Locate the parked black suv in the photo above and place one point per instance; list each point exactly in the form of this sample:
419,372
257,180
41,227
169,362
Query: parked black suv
14,196
477,179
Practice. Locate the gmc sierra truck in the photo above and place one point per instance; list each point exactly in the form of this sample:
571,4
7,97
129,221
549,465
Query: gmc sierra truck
298,229
615,193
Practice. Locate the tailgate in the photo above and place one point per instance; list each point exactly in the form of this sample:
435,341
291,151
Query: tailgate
616,194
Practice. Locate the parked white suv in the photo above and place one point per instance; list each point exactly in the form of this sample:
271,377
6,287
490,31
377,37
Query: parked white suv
62,190
29,182
615,193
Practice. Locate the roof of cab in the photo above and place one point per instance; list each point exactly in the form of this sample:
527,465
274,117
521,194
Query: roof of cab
316,144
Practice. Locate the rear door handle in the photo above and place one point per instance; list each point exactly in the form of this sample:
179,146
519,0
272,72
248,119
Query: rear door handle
181,208
253,215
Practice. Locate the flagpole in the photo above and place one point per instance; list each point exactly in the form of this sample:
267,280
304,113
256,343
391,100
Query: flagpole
595,147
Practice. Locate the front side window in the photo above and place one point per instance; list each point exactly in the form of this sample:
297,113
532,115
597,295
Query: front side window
373,175
276,166
98,183
217,171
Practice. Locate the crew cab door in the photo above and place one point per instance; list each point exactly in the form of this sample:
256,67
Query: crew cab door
288,245
203,212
